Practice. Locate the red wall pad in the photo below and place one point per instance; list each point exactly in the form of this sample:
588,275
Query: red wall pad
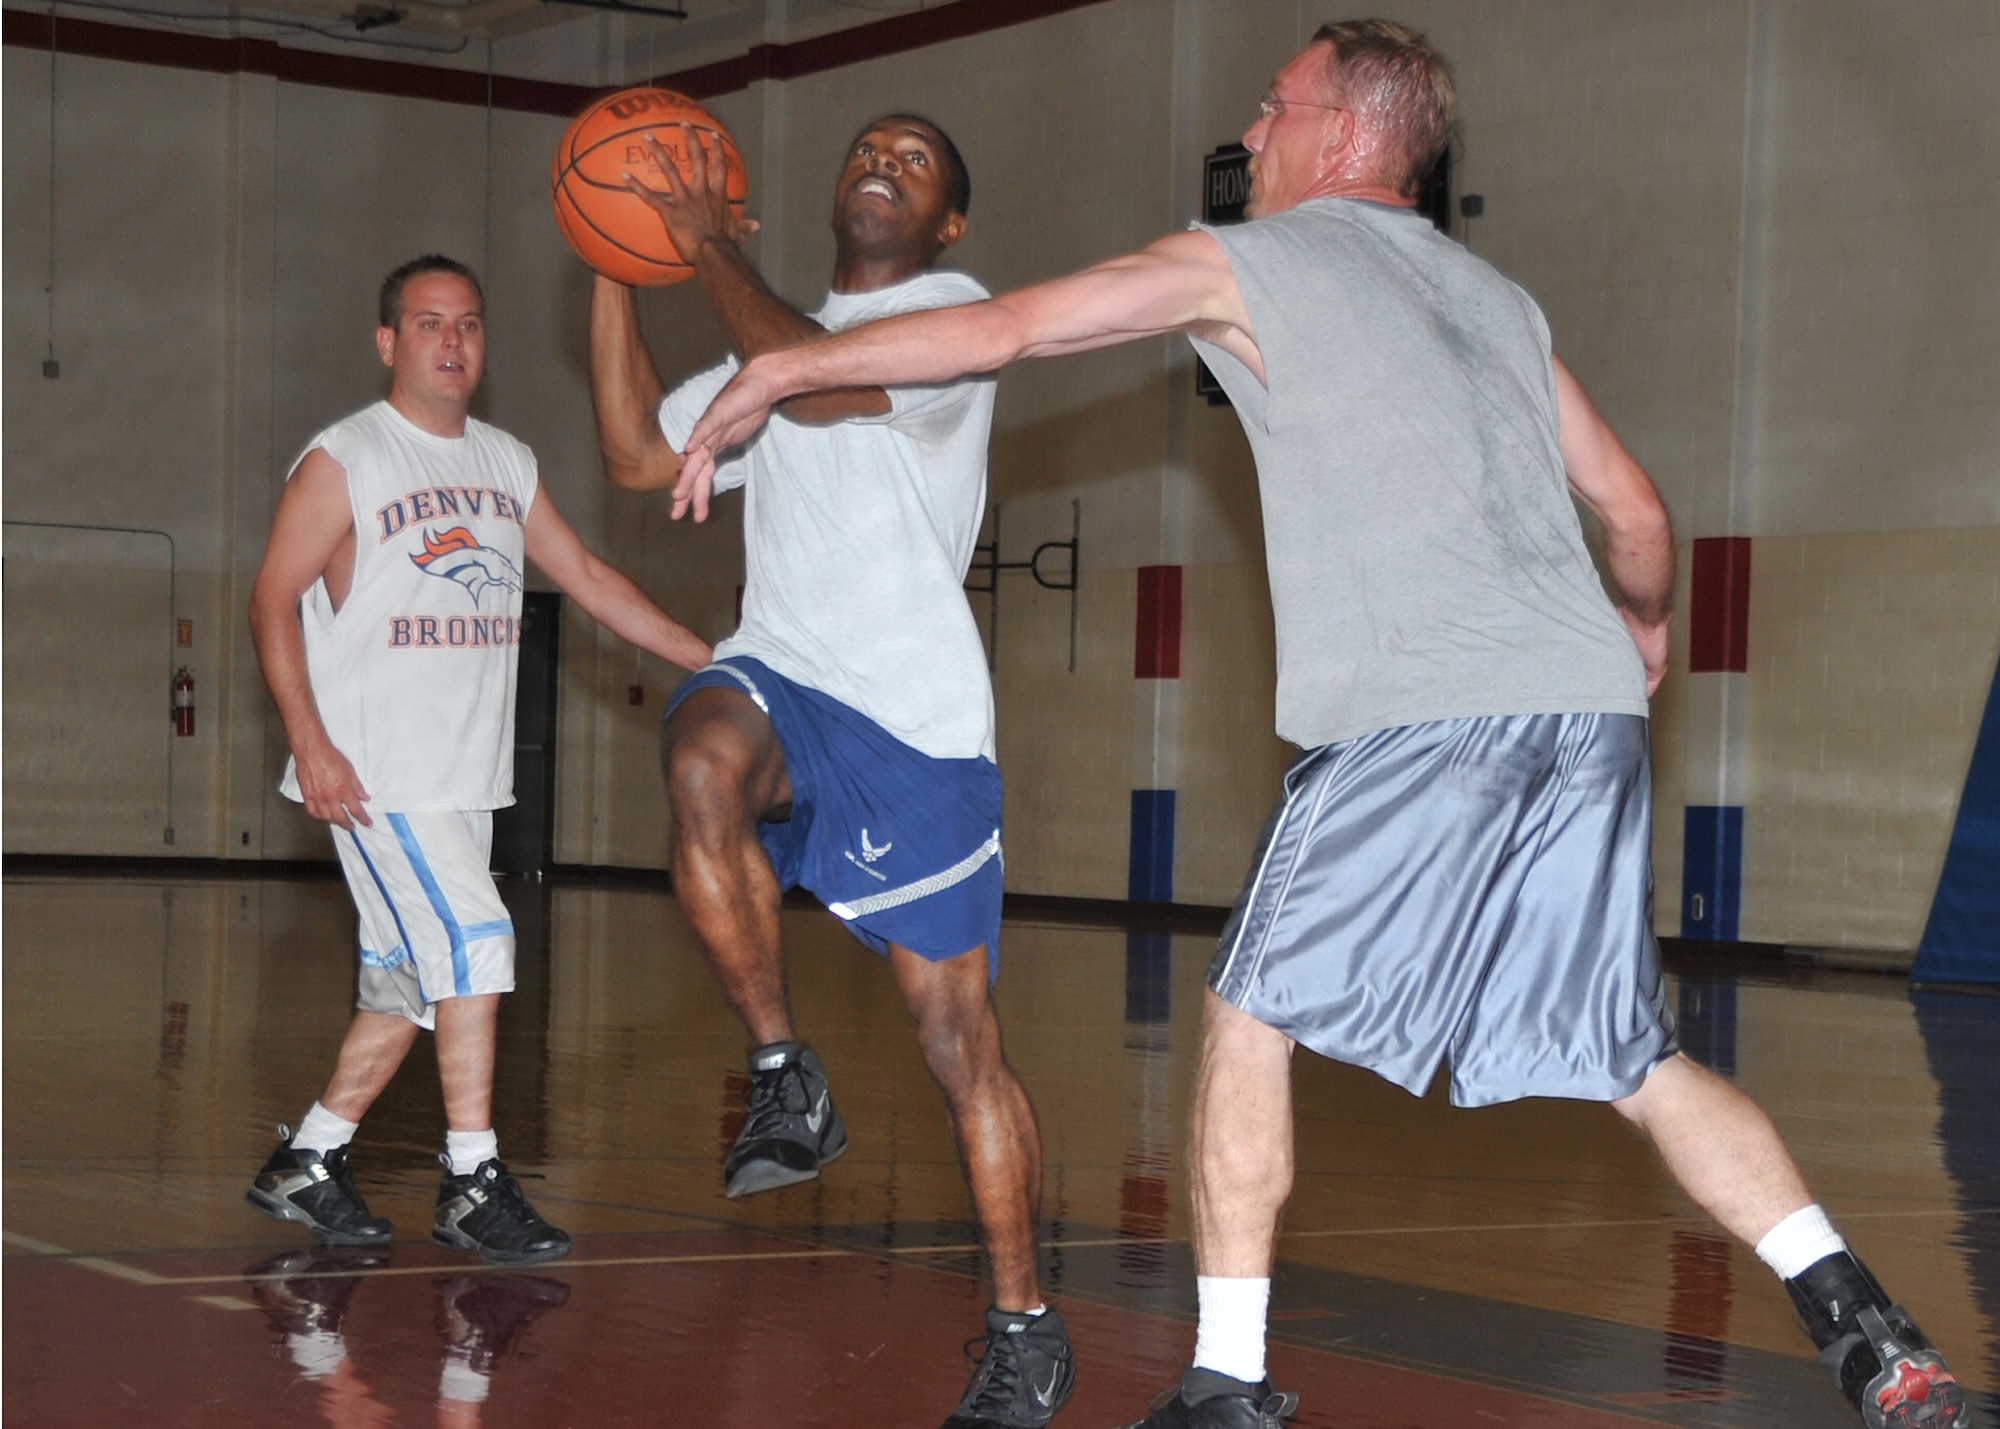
1157,650
1719,606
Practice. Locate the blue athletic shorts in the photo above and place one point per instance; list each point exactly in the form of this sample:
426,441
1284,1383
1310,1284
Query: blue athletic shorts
1473,889
901,847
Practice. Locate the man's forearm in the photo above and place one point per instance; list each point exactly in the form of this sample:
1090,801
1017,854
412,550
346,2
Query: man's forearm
625,389
933,347
1640,555
610,597
756,319
281,650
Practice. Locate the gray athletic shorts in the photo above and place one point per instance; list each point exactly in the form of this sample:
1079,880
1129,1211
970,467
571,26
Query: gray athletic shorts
1476,889
432,923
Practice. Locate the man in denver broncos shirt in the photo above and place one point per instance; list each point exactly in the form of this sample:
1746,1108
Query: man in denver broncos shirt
387,617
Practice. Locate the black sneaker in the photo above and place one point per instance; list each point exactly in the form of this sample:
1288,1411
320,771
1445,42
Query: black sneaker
1885,1366
305,1292
1026,1370
792,1129
482,1316
488,1212
318,1192
1205,1399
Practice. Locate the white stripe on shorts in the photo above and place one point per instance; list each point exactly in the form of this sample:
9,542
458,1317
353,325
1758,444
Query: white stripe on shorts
922,888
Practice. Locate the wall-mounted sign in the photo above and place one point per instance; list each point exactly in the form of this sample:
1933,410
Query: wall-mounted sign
1225,190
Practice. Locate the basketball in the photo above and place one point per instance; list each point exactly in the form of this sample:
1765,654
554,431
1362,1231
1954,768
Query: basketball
609,226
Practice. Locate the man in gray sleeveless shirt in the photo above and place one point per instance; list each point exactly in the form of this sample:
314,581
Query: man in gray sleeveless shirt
1458,869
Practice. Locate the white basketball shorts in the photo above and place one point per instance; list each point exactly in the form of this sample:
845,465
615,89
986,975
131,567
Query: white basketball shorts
432,923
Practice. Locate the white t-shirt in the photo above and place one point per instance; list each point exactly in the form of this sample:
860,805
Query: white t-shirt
414,675
858,536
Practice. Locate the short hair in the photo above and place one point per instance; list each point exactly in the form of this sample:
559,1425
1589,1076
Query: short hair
1396,82
958,178
389,304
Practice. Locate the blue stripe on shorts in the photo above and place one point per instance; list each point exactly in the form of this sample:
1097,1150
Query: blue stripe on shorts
461,970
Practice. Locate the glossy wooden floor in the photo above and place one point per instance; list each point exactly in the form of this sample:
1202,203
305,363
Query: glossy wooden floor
1525,1265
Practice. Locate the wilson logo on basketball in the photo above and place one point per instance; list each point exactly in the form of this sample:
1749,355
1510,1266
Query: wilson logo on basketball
627,106
456,555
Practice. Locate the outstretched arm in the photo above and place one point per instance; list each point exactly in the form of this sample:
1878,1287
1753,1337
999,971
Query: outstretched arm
625,392
1181,282
707,233
1639,536
312,524
606,593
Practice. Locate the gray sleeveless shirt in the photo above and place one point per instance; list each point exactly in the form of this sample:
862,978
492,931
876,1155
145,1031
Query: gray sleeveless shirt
1426,561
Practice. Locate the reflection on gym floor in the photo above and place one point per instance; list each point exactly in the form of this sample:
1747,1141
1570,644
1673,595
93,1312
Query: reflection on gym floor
1527,1264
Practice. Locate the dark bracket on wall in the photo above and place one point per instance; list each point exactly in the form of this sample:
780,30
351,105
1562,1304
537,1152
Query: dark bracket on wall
986,563
622,7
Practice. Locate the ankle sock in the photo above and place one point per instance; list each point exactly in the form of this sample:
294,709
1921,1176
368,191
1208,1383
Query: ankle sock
1802,1239
469,1150
321,1131
1230,1339
460,1382
316,1353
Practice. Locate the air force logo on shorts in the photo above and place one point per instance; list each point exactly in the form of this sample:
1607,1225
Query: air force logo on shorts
457,556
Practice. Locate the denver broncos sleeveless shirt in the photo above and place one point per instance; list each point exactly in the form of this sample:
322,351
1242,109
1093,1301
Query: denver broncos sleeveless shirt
414,674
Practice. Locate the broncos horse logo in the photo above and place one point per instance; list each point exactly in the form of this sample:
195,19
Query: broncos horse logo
457,556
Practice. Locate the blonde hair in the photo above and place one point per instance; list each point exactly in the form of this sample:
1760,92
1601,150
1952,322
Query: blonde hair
1400,87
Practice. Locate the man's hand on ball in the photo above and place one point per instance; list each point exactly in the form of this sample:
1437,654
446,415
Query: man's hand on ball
695,210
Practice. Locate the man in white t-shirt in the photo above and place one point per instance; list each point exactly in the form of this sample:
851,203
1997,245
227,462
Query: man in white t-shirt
844,740
387,616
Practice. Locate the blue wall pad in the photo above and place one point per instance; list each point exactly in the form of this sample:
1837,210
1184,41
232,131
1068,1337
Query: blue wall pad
1962,940
1712,872
1151,875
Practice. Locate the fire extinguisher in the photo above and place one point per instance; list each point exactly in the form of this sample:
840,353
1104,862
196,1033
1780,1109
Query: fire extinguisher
184,703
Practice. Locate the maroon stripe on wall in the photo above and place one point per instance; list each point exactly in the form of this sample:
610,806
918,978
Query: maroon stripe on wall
895,35
246,56
1157,650
1719,606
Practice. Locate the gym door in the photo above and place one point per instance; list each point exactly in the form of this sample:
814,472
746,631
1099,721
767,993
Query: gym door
524,835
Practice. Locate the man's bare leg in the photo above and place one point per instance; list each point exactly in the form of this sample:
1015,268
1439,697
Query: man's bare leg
725,770
1729,1157
306,1179
1240,1176
370,1054
481,1206
1028,1367
1240,1146
999,1143
1720,1146
467,1031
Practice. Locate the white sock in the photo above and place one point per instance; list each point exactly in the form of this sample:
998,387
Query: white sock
1799,1241
1230,1339
458,1380
317,1353
322,1131
469,1150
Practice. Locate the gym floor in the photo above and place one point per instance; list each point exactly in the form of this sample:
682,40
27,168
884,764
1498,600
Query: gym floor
1526,1265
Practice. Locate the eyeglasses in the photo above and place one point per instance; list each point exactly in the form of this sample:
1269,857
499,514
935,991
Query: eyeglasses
1270,106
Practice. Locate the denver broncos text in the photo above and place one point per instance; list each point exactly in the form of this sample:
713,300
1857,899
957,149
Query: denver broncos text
434,503
454,632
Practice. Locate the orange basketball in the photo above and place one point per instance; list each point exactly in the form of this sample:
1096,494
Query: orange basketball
609,226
